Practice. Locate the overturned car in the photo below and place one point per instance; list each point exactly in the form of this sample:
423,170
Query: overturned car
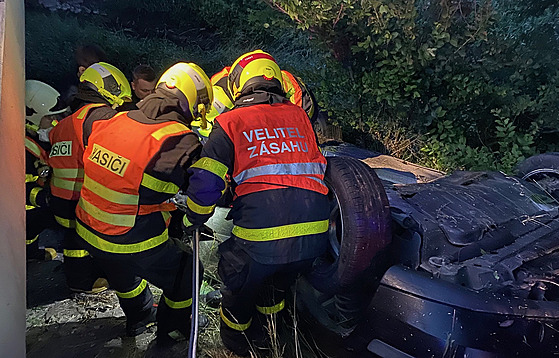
466,265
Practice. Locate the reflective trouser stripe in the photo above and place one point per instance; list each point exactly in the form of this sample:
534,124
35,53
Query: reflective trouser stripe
75,253
271,309
281,169
67,223
135,292
174,128
199,209
177,304
235,326
33,195
281,232
159,185
29,242
211,165
108,246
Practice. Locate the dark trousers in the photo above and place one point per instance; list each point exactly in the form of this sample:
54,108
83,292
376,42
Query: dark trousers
37,220
251,291
167,266
80,269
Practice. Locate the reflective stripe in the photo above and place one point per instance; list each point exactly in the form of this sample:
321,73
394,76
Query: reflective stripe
282,169
186,222
67,223
30,178
109,194
211,165
108,246
84,111
199,209
178,305
170,129
75,253
135,292
33,147
67,184
281,232
108,218
67,173
33,195
271,309
235,326
159,185
29,242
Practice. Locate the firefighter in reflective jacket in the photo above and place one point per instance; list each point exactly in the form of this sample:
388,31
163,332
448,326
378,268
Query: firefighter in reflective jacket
280,211
133,164
43,108
299,94
108,88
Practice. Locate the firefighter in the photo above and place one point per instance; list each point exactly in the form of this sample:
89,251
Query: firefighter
43,107
280,211
107,87
133,164
299,94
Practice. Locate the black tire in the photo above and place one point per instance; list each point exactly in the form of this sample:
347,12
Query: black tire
543,170
359,225
539,164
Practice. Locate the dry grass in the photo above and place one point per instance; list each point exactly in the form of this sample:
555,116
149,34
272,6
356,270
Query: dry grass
286,340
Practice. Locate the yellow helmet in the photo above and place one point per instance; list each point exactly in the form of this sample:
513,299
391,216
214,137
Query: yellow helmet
41,100
256,70
221,103
109,81
190,84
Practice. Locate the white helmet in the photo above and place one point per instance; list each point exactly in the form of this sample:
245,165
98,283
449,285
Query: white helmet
41,100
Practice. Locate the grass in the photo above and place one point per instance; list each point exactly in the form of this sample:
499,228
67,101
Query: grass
286,338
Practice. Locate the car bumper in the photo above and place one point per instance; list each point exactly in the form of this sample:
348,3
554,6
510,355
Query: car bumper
412,314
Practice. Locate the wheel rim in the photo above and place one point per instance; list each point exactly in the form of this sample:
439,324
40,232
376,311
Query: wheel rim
336,225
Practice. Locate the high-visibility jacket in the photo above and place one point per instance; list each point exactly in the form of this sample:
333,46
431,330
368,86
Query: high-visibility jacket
118,193
299,94
271,153
65,158
35,161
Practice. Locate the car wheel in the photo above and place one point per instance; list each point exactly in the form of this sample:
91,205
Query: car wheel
542,169
359,225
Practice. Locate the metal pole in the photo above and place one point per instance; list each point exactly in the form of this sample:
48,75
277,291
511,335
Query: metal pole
195,295
12,190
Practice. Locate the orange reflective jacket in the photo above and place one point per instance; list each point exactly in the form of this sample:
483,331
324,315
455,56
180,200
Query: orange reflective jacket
115,159
66,153
275,148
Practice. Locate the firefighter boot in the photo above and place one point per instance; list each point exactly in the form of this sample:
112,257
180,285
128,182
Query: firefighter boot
234,340
172,323
135,327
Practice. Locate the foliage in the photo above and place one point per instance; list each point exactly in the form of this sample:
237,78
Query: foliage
467,84
478,79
